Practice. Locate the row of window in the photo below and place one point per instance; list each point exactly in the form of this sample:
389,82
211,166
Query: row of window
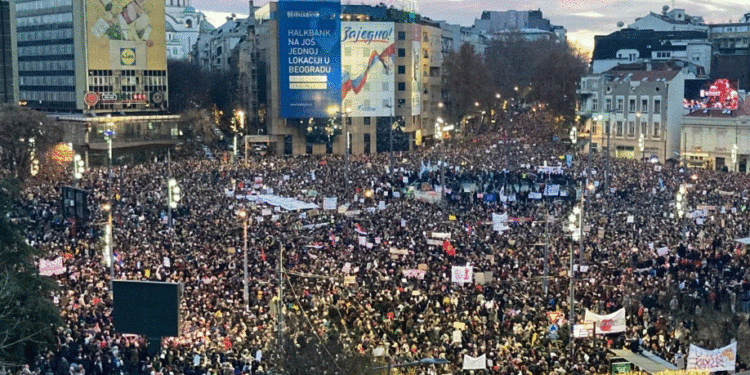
48,50
47,81
44,19
55,96
36,66
45,35
632,107
620,129
42,4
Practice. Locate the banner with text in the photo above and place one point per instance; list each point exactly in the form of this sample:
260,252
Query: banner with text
606,324
722,359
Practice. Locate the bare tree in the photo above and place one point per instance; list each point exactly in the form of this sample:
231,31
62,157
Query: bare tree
25,134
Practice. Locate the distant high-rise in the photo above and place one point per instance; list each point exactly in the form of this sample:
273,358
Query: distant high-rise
92,55
8,67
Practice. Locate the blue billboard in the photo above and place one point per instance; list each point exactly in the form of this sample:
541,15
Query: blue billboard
309,58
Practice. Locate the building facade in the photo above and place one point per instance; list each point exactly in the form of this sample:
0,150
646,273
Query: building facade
391,64
731,51
183,26
8,57
633,106
529,23
669,20
717,139
89,59
629,46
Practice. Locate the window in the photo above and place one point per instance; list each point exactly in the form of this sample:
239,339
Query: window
620,104
402,69
367,143
594,105
402,86
401,52
608,104
657,130
593,127
402,35
607,128
631,128
348,120
644,105
631,105
644,128
619,129
366,120
657,105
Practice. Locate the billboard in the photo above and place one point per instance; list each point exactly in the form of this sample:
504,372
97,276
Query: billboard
309,58
125,34
367,52
705,94
416,70
148,308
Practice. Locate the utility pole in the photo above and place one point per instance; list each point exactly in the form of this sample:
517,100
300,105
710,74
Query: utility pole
572,318
169,191
606,175
279,315
390,140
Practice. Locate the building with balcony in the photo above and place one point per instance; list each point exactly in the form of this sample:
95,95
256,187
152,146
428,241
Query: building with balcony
632,105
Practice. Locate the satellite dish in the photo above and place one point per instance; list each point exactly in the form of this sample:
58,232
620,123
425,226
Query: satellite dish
664,9
620,24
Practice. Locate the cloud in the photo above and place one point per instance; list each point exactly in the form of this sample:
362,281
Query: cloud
583,39
589,14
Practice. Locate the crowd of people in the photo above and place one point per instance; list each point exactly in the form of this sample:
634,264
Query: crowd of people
345,283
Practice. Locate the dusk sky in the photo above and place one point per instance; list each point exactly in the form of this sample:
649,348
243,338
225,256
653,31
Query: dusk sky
582,18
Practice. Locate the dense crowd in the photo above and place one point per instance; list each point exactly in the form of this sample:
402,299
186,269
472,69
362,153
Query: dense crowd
666,294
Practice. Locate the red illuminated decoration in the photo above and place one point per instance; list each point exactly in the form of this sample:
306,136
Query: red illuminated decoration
721,94
61,153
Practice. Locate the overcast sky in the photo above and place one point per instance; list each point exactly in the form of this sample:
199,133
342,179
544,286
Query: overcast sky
582,18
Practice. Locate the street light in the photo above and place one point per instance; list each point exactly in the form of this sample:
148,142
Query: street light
245,292
108,252
734,157
333,110
173,196
681,205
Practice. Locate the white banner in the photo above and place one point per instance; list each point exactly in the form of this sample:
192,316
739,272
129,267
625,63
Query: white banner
417,274
462,274
606,324
472,363
444,236
582,331
330,203
722,359
51,267
552,190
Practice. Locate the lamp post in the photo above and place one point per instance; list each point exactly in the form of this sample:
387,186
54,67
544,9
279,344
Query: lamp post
245,291
108,252
390,139
680,206
173,196
241,117
439,132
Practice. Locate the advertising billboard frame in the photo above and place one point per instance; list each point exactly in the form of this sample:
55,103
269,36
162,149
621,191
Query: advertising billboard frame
309,58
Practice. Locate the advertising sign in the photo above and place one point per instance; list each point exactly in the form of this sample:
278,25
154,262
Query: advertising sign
126,34
309,58
707,94
367,77
416,70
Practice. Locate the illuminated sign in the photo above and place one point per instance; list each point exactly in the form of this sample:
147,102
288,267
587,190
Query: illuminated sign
707,94
309,58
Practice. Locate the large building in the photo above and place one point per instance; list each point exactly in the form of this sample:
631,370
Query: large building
183,26
717,139
629,46
528,23
8,65
634,102
669,20
96,64
731,51
362,69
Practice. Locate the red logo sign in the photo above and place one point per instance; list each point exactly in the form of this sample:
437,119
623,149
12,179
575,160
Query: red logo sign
91,98
605,325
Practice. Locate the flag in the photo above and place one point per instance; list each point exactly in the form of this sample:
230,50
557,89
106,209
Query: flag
118,258
332,237
469,229
449,248
606,324
263,254
358,228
